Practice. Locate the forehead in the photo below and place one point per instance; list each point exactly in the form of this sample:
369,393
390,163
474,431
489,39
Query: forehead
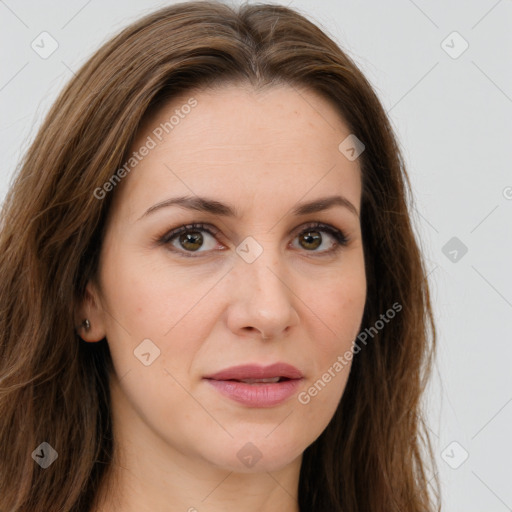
279,141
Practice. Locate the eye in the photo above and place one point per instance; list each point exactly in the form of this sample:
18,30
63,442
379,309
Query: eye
189,239
310,238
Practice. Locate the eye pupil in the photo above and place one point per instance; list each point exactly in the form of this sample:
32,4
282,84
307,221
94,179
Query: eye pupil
312,237
191,237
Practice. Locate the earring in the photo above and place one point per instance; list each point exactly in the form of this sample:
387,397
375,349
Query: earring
86,324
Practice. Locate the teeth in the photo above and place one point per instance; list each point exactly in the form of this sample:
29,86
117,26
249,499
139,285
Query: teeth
256,381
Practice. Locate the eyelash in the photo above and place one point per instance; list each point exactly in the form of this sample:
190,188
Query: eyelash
339,236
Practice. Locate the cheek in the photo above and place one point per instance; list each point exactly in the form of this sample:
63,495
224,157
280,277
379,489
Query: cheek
147,295
338,305
337,311
156,303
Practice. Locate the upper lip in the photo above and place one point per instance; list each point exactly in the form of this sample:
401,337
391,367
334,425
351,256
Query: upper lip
253,371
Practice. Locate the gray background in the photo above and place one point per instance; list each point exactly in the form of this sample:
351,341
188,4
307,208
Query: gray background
452,117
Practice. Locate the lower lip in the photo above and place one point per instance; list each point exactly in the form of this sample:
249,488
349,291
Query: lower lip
257,395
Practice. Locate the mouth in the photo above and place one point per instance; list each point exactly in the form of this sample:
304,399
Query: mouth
257,386
253,373
271,380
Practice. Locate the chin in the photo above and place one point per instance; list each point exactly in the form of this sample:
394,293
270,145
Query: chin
249,455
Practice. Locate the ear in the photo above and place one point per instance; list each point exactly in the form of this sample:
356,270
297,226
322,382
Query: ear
90,309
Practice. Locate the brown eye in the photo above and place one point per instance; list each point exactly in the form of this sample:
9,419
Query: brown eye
313,237
192,240
312,240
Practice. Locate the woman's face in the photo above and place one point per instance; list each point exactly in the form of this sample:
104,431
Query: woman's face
259,283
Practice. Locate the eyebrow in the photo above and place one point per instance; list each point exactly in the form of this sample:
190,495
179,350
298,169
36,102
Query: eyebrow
207,205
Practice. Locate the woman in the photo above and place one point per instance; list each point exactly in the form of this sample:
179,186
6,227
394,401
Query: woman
212,296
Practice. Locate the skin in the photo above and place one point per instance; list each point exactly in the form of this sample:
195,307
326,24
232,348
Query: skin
177,438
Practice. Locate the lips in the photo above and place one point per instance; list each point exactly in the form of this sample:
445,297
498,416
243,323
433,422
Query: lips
281,371
257,386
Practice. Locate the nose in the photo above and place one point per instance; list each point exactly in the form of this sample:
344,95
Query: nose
262,300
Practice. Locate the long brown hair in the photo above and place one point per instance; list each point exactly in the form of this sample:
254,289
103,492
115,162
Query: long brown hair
373,455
